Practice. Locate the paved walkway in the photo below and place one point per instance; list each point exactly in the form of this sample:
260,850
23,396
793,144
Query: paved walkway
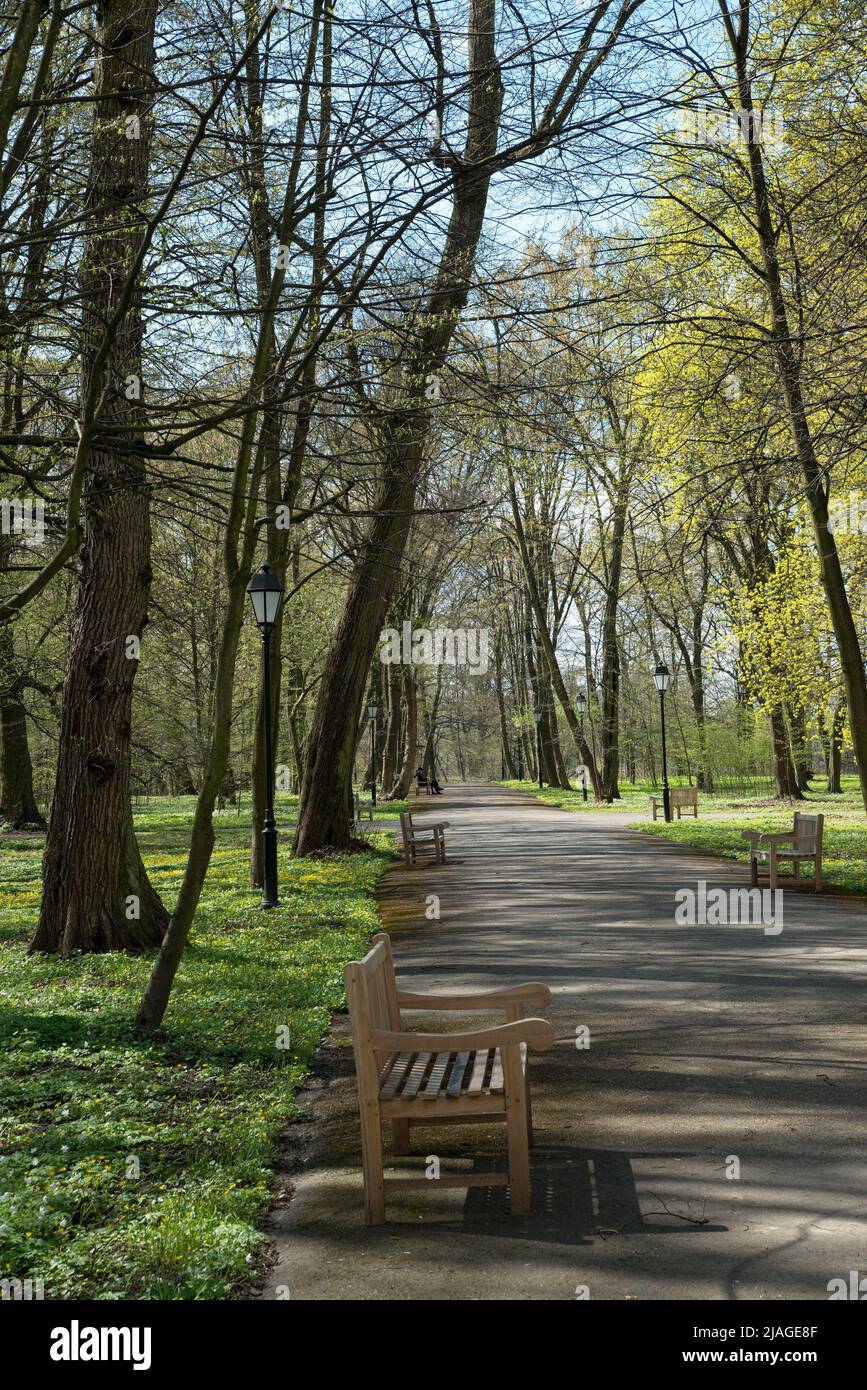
707,1043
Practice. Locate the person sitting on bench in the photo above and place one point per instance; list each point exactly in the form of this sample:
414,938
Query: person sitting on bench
425,781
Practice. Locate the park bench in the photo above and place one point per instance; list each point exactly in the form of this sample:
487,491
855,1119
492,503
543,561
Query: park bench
681,798
413,837
363,811
423,785
806,837
426,1079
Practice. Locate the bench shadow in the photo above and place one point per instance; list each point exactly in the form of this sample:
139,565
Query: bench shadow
578,1196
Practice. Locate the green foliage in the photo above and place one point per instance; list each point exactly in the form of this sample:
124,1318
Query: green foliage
85,1102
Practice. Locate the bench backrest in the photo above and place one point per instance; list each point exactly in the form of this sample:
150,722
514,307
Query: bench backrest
371,995
406,824
684,796
808,833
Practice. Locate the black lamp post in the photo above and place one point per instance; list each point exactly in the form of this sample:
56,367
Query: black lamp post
372,712
581,702
266,595
538,716
661,676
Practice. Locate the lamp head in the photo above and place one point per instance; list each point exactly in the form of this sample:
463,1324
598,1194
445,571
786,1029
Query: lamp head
661,676
266,596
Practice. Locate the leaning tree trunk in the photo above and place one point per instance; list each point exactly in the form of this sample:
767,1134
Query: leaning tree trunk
789,367
323,815
97,896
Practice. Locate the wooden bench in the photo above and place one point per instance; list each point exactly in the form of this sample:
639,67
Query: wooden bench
413,837
427,1079
806,837
363,811
423,785
681,798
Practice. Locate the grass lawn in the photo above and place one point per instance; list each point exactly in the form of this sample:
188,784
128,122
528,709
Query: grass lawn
133,1169
722,818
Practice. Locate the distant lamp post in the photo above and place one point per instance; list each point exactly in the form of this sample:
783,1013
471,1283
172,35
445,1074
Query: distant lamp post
537,714
661,677
581,702
266,596
372,712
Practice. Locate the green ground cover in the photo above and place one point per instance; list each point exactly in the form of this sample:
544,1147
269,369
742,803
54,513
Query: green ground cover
133,1169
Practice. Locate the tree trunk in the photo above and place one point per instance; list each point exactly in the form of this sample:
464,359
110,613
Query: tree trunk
511,772
784,769
97,896
835,747
400,788
610,734
391,742
788,357
17,799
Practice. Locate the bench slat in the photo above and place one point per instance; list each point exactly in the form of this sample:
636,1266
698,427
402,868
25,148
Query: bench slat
431,1088
392,1079
480,1066
414,1080
456,1080
497,1083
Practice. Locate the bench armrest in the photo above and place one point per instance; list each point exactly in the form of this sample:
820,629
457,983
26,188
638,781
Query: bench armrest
777,836
535,1032
537,995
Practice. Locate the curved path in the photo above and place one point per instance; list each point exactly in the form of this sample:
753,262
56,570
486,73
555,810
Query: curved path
712,1048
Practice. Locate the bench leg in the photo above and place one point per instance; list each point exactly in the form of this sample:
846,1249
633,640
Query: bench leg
529,1108
796,868
754,871
516,1132
400,1136
371,1157
773,867
818,863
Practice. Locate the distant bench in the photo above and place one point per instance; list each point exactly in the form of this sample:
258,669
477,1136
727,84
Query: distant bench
682,798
